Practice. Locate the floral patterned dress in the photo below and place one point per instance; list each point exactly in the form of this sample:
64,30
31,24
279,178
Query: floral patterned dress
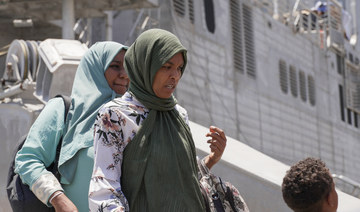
116,124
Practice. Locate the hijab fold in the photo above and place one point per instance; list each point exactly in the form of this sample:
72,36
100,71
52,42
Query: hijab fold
159,168
90,91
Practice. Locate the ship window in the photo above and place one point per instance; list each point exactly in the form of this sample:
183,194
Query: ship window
191,11
209,15
302,82
236,29
356,61
179,7
349,113
311,87
293,81
356,120
249,41
242,38
341,99
283,76
351,58
339,64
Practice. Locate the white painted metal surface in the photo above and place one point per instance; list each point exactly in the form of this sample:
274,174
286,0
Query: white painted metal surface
257,176
68,19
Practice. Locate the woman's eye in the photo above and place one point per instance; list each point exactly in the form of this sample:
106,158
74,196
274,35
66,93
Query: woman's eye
114,66
166,67
181,68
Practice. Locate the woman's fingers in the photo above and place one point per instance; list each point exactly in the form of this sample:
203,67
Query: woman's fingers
218,137
218,131
216,145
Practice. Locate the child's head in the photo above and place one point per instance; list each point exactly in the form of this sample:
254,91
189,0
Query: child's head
308,186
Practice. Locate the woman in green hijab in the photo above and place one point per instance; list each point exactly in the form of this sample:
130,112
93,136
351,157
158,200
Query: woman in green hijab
159,167
99,78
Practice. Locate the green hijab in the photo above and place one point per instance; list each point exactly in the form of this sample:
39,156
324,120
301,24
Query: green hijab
159,168
90,91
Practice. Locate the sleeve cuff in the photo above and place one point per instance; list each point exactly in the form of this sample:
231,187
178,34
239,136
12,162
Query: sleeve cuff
45,186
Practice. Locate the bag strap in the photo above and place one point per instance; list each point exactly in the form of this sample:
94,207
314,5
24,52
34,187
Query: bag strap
67,104
229,196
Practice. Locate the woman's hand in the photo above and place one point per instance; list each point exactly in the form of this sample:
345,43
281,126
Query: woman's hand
217,146
62,203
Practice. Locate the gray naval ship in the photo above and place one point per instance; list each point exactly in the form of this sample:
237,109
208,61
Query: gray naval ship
281,77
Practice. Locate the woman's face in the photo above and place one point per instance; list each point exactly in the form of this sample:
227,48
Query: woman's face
168,76
116,75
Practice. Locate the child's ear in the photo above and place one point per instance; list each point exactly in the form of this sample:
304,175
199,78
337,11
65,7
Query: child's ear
332,199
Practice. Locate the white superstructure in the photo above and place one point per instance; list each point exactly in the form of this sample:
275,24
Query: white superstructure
283,82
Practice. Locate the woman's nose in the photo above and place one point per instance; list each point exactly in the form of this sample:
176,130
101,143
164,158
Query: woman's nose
122,74
175,73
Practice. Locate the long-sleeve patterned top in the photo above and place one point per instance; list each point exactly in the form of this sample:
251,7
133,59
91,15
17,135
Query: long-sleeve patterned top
116,124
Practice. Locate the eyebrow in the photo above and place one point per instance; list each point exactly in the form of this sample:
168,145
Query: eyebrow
116,61
172,63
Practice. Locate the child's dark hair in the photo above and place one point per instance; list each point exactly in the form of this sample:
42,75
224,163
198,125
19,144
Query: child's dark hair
306,185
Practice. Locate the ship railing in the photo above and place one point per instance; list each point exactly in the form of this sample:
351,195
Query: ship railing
352,83
324,30
335,29
347,185
147,18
